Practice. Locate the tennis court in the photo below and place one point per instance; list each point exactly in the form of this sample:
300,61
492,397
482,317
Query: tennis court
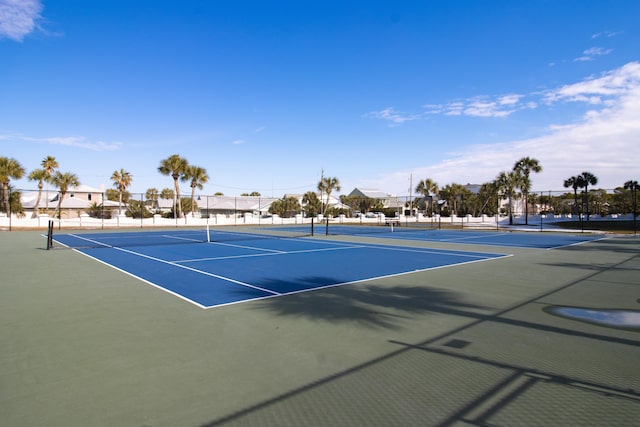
223,267
424,332
423,232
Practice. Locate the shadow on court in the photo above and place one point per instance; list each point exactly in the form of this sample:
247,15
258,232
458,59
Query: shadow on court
381,306
624,245
494,369
372,306
471,345
500,402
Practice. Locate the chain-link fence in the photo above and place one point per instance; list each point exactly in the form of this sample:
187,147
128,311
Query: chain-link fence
34,208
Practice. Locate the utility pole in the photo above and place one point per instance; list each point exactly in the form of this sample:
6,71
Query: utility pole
322,191
411,195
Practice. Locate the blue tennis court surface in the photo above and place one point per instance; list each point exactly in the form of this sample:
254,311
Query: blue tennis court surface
526,239
217,273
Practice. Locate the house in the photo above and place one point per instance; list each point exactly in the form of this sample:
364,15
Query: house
239,205
230,205
389,201
76,201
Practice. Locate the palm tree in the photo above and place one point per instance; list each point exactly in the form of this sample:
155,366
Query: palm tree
63,181
327,185
488,195
197,176
507,183
39,175
121,180
524,167
174,166
452,193
427,187
588,178
634,187
574,182
312,204
285,207
167,194
152,196
9,168
49,164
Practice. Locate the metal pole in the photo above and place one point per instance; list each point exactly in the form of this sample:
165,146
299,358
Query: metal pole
498,213
634,190
9,208
141,210
50,235
540,213
102,212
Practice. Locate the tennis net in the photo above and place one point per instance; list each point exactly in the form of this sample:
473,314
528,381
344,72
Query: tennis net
205,234
382,227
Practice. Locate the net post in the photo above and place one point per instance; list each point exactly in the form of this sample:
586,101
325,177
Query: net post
208,234
312,225
326,231
50,235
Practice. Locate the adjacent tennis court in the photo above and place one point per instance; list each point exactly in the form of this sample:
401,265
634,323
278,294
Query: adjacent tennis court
424,232
224,267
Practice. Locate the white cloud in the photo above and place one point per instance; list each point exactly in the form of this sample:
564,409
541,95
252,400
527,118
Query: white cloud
70,141
486,109
19,18
605,34
510,99
238,142
591,53
610,84
593,91
391,115
603,141
482,106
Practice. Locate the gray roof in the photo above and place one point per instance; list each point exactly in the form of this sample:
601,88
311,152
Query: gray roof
369,192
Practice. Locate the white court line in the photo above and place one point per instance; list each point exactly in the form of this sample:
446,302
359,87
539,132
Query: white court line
452,239
468,254
578,243
333,285
228,279
246,247
276,294
182,297
106,245
270,254
183,238
350,245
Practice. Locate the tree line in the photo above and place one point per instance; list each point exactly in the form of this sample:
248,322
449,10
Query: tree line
175,166
451,199
515,184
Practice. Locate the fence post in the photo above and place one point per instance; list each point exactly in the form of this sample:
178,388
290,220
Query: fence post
9,209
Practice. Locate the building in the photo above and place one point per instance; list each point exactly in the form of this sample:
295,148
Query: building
76,201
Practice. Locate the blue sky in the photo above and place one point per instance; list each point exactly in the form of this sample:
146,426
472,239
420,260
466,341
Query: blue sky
267,94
